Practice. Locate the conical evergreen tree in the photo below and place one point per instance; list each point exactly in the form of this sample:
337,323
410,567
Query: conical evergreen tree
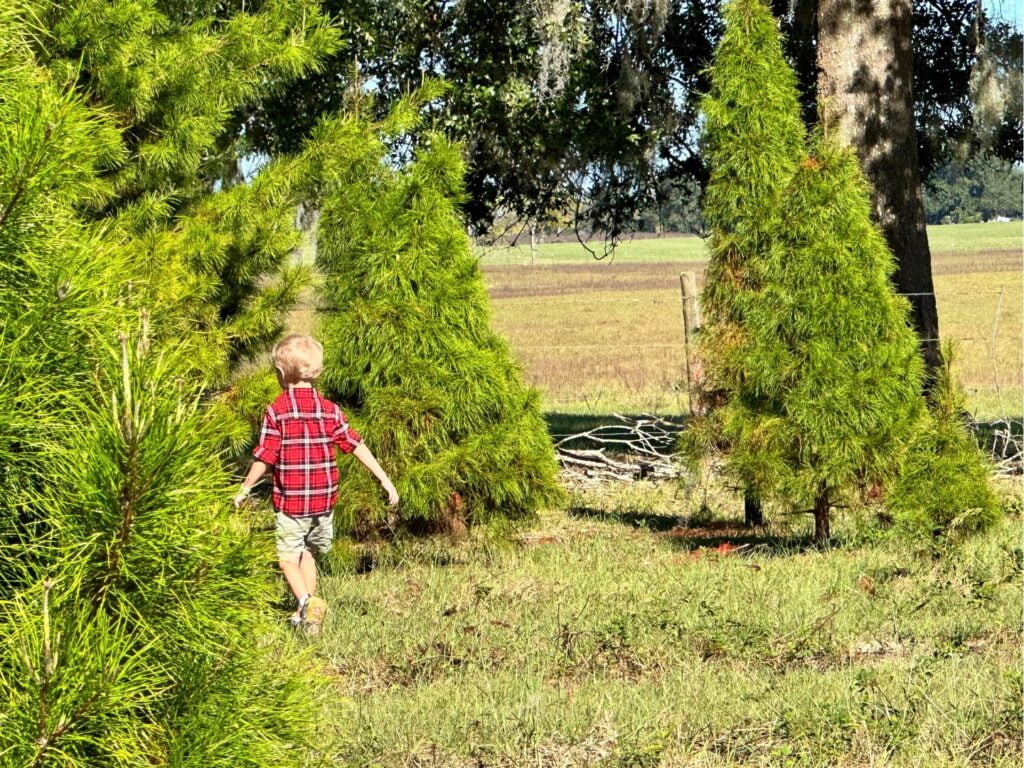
814,382
753,138
831,384
409,350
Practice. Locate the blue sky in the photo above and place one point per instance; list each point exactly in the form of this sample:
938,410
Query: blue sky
1006,10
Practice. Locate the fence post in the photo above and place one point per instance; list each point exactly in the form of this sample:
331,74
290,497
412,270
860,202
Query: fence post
691,324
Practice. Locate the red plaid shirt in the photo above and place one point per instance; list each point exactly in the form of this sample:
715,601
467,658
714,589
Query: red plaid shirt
300,430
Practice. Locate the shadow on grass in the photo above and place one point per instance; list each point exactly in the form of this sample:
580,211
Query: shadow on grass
725,536
647,521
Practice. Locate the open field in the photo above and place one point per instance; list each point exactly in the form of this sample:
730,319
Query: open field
636,629
944,238
621,633
604,336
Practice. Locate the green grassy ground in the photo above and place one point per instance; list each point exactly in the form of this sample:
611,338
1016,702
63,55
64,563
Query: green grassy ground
620,632
966,238
677,248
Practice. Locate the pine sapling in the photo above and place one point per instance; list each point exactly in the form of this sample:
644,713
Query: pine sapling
831,377
410,352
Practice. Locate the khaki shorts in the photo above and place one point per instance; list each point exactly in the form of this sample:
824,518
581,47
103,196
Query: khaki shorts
295,534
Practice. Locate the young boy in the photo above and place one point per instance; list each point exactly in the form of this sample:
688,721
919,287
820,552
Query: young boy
300,431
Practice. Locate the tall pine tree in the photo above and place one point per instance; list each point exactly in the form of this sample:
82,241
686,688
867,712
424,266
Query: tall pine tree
409,349
831,381
131,599
814,376
753,139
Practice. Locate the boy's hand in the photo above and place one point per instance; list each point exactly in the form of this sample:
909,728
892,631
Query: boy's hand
241,498
389,489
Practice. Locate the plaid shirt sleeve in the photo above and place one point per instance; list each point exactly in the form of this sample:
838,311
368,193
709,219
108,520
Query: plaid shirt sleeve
269,446
344,436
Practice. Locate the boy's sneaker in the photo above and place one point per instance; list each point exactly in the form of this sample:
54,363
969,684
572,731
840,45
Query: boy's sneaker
313,613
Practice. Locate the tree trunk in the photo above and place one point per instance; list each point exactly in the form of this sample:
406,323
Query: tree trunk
865,79
752,515
821,522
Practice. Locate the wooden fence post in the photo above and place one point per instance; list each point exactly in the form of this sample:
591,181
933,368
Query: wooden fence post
691,324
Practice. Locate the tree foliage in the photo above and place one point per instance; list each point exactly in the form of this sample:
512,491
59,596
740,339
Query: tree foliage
831,378
409,350
170,77
753,139
591,108
131,600
982,190
582,107
814,379
942,489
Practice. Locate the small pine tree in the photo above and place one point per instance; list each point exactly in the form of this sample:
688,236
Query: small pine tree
132,632
831,384
410,352
942,488
753,138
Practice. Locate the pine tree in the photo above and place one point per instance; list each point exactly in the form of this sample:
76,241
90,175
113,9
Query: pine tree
831,384
753,139
137,631
130,598
814,379
173,76
942,489
409,351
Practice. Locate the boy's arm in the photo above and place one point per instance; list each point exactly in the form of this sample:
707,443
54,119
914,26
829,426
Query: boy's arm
256,472
367,459
265,454
349,441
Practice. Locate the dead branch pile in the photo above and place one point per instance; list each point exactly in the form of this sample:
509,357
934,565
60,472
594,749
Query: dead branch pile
1006,446
632,448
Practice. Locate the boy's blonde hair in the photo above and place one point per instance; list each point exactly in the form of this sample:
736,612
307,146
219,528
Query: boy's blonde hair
299,357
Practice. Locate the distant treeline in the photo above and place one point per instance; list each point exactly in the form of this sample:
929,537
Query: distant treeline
984,190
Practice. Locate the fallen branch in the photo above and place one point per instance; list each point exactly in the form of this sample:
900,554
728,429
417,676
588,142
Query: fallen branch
633,448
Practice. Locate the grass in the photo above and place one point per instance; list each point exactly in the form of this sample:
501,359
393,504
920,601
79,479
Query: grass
962,238
620,632
638,249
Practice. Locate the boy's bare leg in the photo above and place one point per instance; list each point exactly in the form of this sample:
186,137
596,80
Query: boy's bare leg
296,579
307,564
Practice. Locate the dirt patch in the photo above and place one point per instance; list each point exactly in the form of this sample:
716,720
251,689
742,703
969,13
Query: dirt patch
959,263
504,282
